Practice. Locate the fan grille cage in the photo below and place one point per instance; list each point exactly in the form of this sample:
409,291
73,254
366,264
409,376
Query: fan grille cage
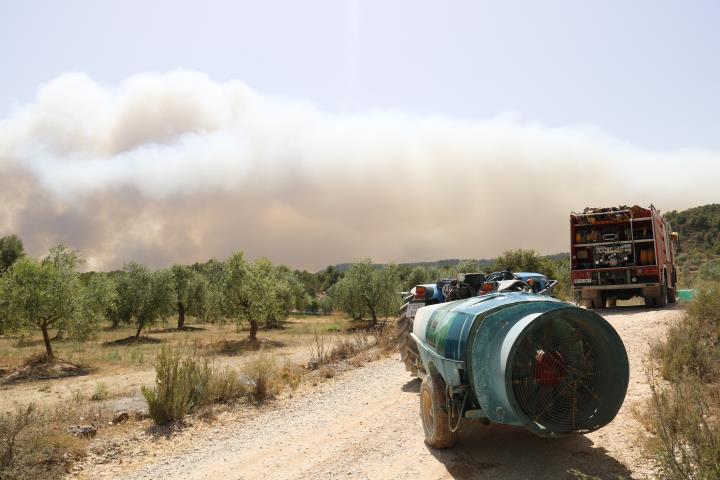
558,377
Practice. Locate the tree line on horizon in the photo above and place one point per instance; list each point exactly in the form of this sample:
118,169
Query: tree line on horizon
52,296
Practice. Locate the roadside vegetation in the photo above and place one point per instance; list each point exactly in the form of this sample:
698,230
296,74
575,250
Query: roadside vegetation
683,416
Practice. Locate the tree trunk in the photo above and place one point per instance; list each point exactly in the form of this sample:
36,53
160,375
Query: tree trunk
140,325
253,330
46,338
374,316
115,322
181,316
59,334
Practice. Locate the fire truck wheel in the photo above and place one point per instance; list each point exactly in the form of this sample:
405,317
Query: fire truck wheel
671,292
434,414
661,299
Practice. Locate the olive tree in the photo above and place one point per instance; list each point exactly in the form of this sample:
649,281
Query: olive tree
367,289
11,249
418,276
189,290
48,294
213,271
144,296
520,261
255,292
101,296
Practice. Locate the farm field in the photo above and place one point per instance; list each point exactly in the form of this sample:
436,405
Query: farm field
121,370
365,424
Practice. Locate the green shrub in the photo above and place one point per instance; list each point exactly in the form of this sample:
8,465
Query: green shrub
692,347
684,420
181,384
224,386
263,373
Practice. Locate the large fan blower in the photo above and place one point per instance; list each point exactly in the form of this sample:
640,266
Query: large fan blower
518,359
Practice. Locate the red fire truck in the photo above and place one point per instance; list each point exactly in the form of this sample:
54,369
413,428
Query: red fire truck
621,252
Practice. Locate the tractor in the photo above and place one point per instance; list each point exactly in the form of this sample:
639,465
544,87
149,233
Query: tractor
466,285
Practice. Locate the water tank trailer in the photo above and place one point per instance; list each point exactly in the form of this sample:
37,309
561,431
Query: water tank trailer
519,359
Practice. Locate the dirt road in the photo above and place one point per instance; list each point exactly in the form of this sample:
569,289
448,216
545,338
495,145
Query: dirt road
365,424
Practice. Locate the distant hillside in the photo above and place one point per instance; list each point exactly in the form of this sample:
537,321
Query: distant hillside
450,262
483,263
699,235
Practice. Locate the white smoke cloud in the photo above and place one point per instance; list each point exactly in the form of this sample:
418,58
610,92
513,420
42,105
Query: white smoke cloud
178,168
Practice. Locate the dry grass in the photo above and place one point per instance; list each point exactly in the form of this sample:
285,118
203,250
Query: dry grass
108,352
35,442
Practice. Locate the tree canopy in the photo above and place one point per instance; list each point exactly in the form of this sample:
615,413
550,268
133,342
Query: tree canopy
48,294
11,249
189,290
366,289
257,292
144,296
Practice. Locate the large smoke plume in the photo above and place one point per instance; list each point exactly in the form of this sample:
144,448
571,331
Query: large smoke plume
177,168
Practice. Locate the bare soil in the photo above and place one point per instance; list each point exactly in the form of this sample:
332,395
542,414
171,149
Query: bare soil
365,423
41,368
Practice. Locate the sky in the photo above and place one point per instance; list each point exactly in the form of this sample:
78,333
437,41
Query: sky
318,132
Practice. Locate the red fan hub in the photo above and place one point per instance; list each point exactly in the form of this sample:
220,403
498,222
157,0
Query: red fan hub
548,369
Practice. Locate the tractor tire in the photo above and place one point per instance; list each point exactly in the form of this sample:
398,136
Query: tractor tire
406,345
434,413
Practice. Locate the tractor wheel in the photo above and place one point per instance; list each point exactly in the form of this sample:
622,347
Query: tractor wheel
434,414
407,346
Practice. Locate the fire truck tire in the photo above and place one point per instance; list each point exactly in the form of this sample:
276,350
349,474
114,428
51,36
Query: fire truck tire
671,292
597,301
406,345
434,413
661,300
